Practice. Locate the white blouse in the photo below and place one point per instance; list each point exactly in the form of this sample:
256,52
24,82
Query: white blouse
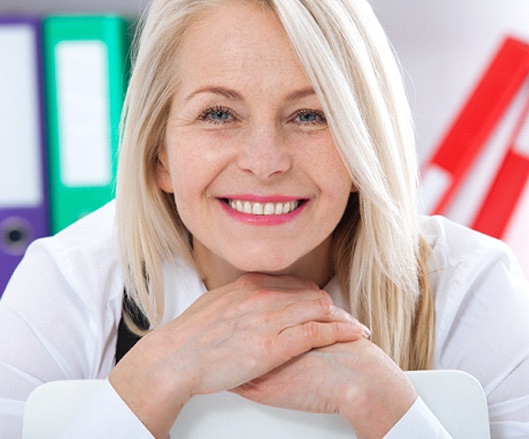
60,312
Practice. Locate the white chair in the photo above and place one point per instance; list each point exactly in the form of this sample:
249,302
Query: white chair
455,397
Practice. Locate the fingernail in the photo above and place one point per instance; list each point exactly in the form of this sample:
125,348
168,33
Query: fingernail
366,332
359,327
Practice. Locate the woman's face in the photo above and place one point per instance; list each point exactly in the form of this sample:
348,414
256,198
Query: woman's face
248,155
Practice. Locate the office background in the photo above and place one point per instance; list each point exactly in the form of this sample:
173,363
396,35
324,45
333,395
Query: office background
444,47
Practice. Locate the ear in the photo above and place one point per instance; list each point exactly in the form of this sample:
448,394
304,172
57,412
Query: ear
163,175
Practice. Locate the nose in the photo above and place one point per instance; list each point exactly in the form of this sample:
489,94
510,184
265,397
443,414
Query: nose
265,152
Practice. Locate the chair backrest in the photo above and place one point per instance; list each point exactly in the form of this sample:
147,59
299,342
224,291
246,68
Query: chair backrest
455,397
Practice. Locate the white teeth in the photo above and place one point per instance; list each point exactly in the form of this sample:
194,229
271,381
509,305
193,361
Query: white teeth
263,209
269,209
257,209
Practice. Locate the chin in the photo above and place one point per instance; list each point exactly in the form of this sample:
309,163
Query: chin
268,265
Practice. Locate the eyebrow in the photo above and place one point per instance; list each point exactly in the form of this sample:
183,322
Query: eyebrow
226,92
236,96
300,94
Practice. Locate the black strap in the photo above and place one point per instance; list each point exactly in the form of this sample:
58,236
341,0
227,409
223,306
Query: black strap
126,338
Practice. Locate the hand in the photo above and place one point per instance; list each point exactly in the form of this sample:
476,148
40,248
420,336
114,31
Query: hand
229,336
356,379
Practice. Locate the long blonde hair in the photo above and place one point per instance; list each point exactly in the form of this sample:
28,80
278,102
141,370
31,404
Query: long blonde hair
379,255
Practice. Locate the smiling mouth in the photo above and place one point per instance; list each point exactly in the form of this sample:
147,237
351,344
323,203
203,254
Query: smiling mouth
264,209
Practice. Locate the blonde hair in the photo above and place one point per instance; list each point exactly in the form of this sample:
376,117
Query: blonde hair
379,255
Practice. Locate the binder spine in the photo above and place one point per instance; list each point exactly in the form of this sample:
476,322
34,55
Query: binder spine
495,213
23,192
449,165
86,60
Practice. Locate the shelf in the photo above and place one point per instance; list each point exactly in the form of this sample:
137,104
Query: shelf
131,8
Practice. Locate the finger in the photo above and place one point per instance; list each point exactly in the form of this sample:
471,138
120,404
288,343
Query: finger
319,309
296,340
284,312
277,305
263,285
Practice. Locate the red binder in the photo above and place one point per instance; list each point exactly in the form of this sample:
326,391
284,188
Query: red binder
503,196
453,158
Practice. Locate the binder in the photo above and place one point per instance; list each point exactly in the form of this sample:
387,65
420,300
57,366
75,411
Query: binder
515,234
86,71
503,196
23,194
455,155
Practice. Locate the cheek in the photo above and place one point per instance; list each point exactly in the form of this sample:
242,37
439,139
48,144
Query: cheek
338,194
187,185
332,173
193,171
187,197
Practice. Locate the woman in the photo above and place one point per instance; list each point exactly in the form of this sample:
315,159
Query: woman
267,182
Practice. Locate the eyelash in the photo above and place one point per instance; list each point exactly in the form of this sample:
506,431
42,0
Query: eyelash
306,111
205,116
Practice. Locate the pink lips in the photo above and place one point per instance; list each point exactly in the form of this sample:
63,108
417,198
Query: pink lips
261,219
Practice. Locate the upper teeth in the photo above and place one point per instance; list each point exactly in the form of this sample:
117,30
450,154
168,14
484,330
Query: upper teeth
263,208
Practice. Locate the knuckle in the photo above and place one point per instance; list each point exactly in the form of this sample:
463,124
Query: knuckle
338,330
325,307
309,284
261,298
311,330
248,279
326,296
268,348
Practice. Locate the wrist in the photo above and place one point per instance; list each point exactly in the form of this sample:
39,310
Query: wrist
382,398
373,416
152,385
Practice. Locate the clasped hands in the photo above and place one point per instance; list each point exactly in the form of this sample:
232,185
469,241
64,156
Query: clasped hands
277,340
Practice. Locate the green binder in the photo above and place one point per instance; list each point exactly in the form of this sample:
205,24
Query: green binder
86,72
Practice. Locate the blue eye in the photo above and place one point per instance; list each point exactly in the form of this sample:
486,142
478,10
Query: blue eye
310,117
219,115
216,115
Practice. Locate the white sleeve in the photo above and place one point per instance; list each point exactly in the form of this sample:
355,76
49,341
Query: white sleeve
54,325
418,422
114,419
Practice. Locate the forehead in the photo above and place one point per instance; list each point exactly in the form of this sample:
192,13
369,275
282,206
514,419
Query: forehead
235,39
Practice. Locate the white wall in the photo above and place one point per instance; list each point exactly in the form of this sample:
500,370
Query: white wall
443,46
